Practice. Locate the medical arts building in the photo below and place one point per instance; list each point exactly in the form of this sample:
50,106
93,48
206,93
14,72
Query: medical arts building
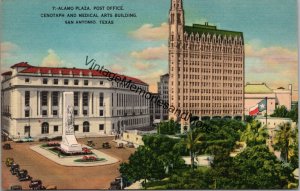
206,68
32,102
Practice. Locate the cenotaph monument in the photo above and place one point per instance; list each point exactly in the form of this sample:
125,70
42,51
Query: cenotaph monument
69,143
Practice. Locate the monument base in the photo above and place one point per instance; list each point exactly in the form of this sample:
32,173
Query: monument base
70,144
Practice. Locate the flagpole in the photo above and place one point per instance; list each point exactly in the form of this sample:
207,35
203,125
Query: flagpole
266,98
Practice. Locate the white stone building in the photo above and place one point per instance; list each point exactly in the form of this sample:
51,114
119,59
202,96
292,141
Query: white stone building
254,93
32,102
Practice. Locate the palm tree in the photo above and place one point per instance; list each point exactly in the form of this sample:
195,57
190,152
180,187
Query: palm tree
255,134
192,141
284,139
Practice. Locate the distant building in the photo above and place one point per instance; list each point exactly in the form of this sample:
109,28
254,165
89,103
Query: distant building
154,110
32,102
206,67
254,93
163,92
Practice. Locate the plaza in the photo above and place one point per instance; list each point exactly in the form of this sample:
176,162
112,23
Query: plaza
64,177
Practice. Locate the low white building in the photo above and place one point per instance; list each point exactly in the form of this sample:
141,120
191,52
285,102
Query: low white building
32,102
254,93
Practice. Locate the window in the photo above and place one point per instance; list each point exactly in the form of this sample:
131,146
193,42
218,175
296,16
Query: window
101,127
76,127
27,98
55,128
75,112
27,130
101,112
44,112
101,98
54,112
76,96
55,81
45,128
85,99
45,81
84,112
26,113
54,98
86,127
86,82
101,83
44,98
26,80
76,82
66,81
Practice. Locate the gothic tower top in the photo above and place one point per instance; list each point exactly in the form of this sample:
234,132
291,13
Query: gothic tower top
176,5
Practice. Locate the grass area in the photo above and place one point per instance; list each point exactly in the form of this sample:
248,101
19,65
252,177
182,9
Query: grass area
87,161
157,185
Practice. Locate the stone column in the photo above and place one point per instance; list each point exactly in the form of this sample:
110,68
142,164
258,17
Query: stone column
80,103
49,103
60,104
90,104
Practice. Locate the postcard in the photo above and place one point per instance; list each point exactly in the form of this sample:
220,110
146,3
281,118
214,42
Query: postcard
149,94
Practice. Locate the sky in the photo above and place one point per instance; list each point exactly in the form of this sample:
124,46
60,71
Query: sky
138,46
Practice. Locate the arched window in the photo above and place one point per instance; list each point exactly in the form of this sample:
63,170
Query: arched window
86,126
45,128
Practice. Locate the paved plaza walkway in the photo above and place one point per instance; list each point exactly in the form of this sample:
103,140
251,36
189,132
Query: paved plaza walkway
69,161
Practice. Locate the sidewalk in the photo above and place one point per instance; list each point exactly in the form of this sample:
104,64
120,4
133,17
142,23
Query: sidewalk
69,161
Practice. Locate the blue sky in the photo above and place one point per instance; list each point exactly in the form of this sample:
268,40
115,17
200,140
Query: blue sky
138,46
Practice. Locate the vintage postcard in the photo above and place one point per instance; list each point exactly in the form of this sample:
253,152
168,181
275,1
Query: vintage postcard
149,94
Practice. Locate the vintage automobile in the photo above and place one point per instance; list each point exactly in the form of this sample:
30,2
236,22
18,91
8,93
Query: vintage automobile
120,145
23,175
90,143
130,145
50,187
14,168
106,145
9,161
27,139
36,185
16,187
6,146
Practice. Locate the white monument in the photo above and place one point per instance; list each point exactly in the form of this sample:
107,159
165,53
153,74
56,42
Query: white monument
69,143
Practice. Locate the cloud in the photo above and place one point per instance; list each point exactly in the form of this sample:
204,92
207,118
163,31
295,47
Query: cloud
8,52
52,60
143,66
152,79
149,32
117,68
152,53
275,65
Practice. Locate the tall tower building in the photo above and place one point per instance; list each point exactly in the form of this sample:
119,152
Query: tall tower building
206,67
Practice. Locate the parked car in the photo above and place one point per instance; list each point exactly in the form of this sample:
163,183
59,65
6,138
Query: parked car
27,139
120,145
23,175
50,187
9,161
6,146
14,168
42,139
90,143
106,145
16,187
36,185
130,145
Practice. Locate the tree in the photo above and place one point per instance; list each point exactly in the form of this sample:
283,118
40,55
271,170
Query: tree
191,142
168,127
280,111
142,164
165,150
258,168
254,134
284,138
